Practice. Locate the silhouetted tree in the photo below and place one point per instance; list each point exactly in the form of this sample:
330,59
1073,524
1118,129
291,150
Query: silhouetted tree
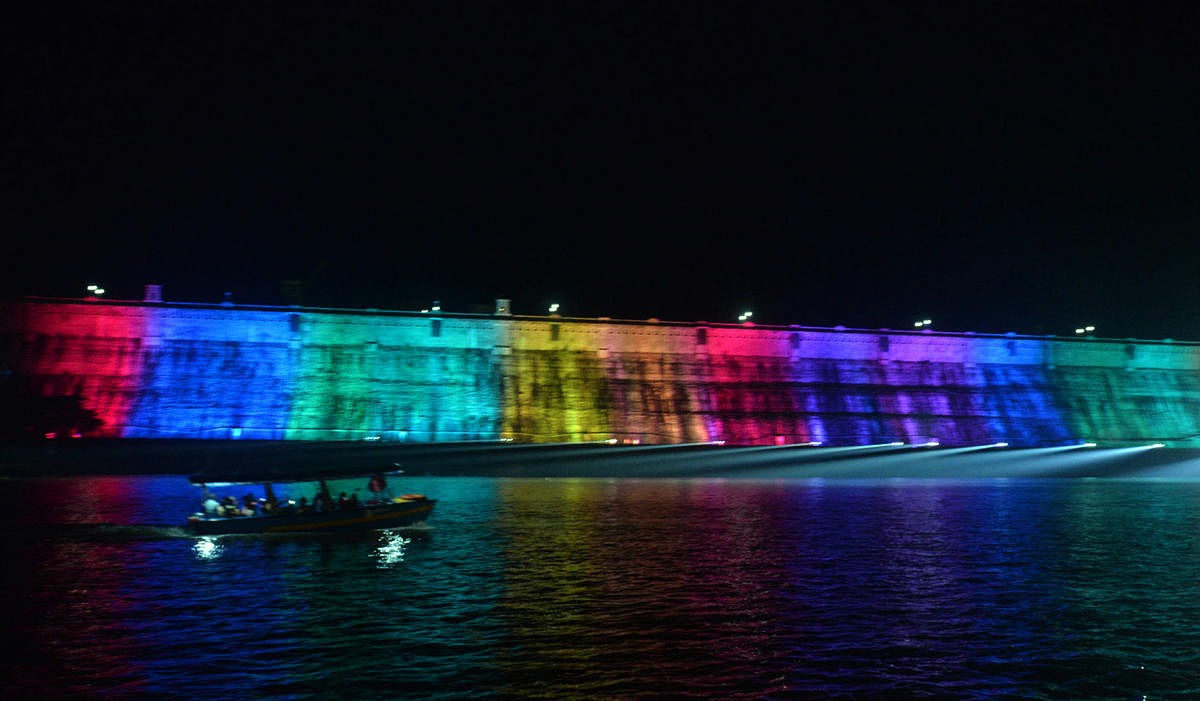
27,414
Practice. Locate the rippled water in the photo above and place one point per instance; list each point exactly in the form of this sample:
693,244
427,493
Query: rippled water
569,588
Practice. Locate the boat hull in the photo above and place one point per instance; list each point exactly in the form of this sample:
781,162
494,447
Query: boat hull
365,518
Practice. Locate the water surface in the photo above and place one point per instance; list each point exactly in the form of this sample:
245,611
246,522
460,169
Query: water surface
576,588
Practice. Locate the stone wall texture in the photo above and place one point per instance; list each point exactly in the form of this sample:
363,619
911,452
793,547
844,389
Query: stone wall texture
212,371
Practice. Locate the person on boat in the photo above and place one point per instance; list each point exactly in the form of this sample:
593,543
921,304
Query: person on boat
319,504
377,484
354,500
303,506
231,506
212,507
343,502
249,505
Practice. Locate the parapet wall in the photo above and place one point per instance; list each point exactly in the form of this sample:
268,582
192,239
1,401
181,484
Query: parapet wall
211,371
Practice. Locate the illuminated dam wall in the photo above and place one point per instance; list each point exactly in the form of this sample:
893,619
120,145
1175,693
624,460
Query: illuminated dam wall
169,370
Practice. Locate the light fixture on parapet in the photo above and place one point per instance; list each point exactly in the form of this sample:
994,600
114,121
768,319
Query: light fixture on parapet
923,324
1056,448
973,448
1084,329
778,460
1137,448
989,446
95,290
745,316
825,449
554,308
782,442
640,447
872,447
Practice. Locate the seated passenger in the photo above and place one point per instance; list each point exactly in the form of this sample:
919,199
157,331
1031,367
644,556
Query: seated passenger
212,507
354,501
303,506
343,502
377,484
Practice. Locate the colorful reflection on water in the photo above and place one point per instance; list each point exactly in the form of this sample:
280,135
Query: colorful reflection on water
615,588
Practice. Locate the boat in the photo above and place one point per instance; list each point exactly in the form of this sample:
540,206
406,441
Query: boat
282,509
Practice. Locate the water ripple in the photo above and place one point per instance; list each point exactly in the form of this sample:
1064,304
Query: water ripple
617,589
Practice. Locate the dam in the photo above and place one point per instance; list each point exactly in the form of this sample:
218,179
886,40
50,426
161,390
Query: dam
173,370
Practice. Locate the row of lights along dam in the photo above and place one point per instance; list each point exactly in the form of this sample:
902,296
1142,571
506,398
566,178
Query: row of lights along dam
96,291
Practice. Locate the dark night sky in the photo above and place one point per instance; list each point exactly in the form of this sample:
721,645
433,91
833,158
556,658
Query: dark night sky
993,166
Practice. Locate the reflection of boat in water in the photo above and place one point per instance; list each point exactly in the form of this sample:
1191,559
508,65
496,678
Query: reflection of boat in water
272,514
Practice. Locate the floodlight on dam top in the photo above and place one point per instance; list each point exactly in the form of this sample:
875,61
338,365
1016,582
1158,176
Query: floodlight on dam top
96,290
1085,329
554,308
745,316
923,324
